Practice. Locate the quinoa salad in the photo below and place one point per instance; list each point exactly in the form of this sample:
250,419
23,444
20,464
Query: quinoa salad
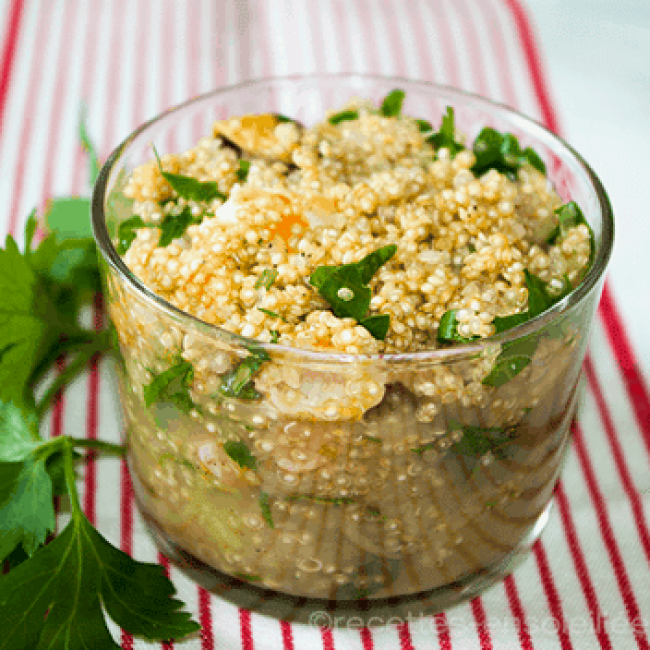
369,234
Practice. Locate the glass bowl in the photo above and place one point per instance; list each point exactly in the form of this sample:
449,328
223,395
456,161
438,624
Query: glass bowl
383,485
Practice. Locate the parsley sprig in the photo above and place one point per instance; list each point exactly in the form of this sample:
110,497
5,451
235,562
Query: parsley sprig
43,291
58,594
57,597
345,288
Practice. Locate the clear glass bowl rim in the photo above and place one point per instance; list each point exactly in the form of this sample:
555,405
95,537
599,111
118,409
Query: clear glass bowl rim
456,352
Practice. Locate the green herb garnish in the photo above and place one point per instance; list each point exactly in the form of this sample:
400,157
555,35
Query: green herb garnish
424,126
570,216
516,355
26,511
345,288
270,313
377,325
343,116
448,329
242,172
476,442
336,501
238,382
267,279
56,596
127,232
171,458
392,104
446,136
43,292
241,454
275,336
69,217
89,148
376,513
190,188
501,151
266,509
174,226
172,386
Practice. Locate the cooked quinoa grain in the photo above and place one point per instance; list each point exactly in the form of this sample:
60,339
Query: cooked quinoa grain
359,235
462,242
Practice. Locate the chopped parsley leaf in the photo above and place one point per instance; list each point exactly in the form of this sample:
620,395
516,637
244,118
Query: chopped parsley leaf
343,116
267,279
242,172
174,226
517,355
238,382
270,313
476,442
392,104
190,188
266,509
127,233
172,386
570,216
336,501
424,126
345,288
446,136
241,454
448,329
501,151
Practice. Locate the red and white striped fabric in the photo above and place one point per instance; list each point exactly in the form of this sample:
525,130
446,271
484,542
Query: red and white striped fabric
587,583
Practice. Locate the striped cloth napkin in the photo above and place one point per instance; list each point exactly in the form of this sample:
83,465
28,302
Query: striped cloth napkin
587,582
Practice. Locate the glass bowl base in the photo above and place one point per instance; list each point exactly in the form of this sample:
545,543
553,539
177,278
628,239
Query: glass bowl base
372,612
